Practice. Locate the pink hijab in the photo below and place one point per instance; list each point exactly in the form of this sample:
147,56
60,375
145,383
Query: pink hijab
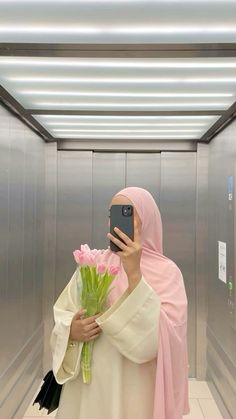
171,390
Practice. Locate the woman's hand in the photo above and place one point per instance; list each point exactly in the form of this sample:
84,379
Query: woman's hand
84,330
130,254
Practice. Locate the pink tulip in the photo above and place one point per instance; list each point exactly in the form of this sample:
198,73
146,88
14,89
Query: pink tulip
79,257
75,254
97,254
101,268
113,270
85,248
90,259
87,256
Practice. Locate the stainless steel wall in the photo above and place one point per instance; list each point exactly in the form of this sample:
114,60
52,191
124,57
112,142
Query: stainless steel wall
114,171
109,174
144,170
21,261
201,259
79,184
221,325
74,209
86,182
178,209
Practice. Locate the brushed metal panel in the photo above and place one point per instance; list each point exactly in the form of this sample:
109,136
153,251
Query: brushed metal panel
218,399
17,368
144,170
21,220
74,210
34,379
39,174
4,227
49,248
221,305
127,145
16,237
22,387
124,50
108,178
29,239
178,201
221,224
201,258
222,372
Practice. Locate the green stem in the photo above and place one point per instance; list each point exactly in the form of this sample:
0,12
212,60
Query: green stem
86,361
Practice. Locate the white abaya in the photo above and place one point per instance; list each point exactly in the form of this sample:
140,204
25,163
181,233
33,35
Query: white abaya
124,357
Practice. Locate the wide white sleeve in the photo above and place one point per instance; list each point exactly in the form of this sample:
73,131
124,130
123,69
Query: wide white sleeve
131,324
65,352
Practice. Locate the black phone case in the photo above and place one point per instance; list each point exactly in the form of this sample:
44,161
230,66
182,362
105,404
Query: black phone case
123,222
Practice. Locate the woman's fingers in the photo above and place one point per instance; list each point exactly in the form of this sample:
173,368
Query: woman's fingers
126,241
79,313
84,329
91,319
119,243
91,327
92,334
93,337
123,236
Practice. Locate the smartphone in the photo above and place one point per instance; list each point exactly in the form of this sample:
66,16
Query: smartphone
121,216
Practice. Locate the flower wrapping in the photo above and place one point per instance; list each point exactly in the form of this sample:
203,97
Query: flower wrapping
96,281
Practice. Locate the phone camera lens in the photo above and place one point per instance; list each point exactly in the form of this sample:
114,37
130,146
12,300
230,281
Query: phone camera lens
127,211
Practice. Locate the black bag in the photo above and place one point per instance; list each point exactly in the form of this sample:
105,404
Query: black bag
49,394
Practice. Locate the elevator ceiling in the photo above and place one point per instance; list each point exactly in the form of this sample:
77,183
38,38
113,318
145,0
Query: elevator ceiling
120,70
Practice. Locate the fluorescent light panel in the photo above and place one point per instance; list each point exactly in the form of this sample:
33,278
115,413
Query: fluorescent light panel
122,63
124,94
121,22
122,137
111,30
129,117
121,131
121,80
156,127
149,2
98,124
131,105
118,121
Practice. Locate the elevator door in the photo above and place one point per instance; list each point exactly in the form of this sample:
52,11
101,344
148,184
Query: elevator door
74,210
114,171
144,170
109,172
86,183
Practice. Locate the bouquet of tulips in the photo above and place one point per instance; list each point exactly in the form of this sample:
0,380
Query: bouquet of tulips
96,280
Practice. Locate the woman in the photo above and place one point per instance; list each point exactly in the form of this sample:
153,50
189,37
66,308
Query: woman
140,362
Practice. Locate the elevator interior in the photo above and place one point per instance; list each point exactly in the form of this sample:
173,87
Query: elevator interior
96,96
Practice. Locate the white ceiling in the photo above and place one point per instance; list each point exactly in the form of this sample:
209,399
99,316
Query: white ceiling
118,127
120,21
120,84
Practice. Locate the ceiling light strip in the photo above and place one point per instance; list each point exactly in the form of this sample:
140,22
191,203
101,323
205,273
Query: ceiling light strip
119,63
111,30
121,131
150,124
152,117
124,94
131,105
121,80
105,136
